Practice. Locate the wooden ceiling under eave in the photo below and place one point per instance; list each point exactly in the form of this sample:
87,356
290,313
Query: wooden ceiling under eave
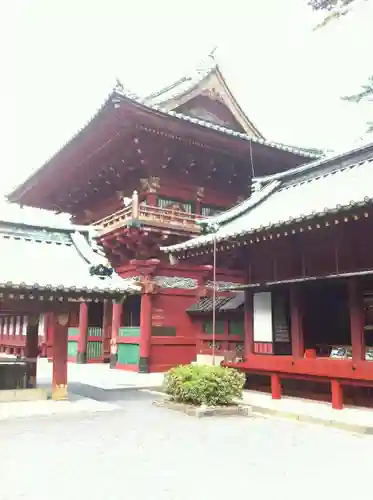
109,139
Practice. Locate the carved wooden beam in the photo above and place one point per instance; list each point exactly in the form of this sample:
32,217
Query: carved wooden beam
150,184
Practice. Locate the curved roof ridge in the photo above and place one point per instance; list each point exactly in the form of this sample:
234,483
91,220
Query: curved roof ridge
119,92
306,167
194,76
65,227
229,215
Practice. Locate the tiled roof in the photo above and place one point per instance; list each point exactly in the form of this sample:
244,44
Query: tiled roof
171,96
222,304
233,133
182,85
205,305
118,94
331,186
234,303
53,259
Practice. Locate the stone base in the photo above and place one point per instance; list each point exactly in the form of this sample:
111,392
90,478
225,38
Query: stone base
59,393
7,396
113,360
204,411
32,382
144,365
81,358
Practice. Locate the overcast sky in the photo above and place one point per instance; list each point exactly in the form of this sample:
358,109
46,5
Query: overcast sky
61,58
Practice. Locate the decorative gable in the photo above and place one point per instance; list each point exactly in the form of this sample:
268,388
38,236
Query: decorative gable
206,96
211,110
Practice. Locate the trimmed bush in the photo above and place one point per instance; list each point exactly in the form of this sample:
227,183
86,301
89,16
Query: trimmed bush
200,384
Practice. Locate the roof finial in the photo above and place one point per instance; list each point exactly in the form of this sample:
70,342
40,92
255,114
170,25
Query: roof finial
208,64
119,85
212,53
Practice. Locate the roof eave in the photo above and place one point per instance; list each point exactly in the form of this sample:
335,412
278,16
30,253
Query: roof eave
319,162
19,191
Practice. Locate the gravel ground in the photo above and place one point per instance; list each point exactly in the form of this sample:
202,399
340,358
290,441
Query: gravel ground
141,452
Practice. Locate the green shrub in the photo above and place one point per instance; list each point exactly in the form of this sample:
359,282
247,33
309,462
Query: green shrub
199,384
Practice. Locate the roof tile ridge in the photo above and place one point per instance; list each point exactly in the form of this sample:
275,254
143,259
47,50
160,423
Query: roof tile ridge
306,167
201,71
259,195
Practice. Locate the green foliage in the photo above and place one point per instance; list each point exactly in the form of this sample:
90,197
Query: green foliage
366,93
199,384
329,4
335,9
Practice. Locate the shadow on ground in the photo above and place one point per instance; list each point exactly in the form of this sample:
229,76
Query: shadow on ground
117,396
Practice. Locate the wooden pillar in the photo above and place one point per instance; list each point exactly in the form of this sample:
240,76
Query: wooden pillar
115,325
356,307
198,209
248,324
296,323
50,335
59,381
145,332
83,333
337,395
32,348
106,328
151,199
276,386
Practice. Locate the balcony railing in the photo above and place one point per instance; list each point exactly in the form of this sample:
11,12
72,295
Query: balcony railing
153,216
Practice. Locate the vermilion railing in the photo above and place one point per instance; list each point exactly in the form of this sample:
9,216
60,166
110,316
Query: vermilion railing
173,219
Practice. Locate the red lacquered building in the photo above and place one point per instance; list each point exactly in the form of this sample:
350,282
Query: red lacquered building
304,241
143,172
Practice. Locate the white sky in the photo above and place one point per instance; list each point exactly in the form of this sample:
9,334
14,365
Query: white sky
60,59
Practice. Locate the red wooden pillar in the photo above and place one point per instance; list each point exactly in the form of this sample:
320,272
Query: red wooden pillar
337,395
32,348
106,328
115,325
60,337
151,199
83,333
145,332
248,324
297,339
276,386
356,306
50,335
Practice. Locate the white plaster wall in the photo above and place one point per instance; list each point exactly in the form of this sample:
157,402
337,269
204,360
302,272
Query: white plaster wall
262,307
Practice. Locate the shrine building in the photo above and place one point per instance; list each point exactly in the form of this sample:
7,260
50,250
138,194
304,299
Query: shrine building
47,275
304,241
142,173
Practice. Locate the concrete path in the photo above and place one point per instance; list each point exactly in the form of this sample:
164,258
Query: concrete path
96,388
141,452
350,418
92,388
100,375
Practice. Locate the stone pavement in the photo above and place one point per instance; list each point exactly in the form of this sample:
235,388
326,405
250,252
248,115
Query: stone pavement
141,452
358,419
92,388
100,375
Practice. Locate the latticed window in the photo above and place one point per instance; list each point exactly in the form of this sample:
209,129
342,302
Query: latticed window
219,327
236,327
170,203
210,211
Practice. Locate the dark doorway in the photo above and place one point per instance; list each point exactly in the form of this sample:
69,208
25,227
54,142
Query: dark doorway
326,320
131,311
95,314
